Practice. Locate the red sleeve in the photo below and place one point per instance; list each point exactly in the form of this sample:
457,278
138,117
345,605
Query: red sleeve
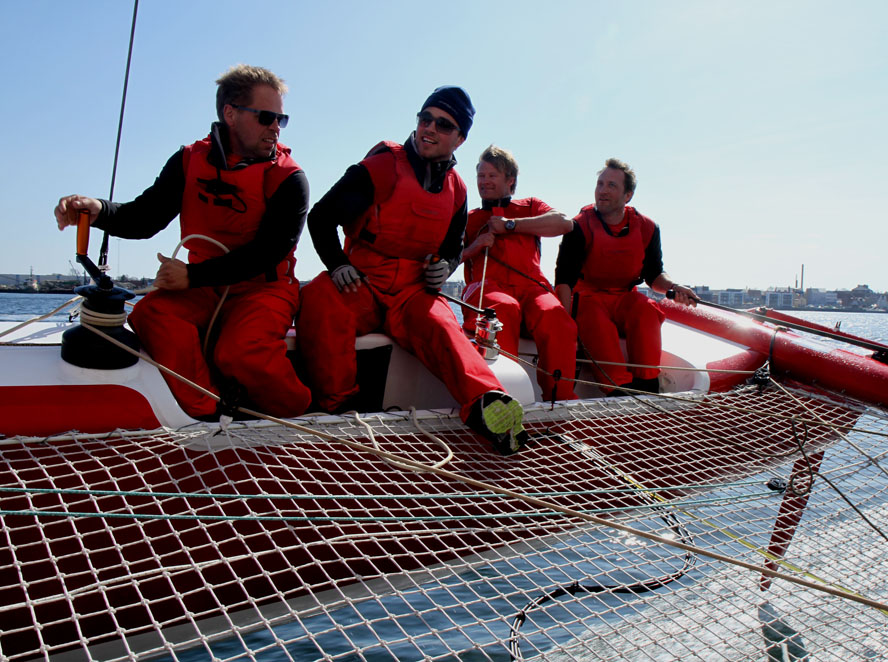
538,207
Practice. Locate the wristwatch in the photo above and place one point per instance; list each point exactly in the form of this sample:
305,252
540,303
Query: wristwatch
509,225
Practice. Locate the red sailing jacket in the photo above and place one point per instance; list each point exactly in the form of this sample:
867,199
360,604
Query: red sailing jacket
521,251
228,205
390,242
614,262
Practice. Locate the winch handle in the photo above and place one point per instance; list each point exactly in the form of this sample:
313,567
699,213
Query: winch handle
101,279
83,232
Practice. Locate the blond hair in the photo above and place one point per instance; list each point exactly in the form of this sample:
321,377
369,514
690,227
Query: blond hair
236,85
503,160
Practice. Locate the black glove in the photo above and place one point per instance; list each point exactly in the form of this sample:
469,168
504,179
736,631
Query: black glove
437,271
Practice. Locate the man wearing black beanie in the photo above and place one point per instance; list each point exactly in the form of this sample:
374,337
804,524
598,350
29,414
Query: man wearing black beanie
403,210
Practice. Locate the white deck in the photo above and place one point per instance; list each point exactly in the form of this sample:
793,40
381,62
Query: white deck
30,356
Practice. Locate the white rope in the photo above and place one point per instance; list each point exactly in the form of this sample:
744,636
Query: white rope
101,319
669,367
224,294
371,434
483,278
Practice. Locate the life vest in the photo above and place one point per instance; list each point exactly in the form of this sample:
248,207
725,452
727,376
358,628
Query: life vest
519,250
228,205
390,241
613,263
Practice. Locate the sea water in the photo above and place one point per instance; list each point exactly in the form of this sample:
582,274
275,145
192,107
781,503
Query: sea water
19,307
16,307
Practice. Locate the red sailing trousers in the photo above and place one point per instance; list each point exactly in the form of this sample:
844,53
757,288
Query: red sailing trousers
545,319
421,323
602,317
250,346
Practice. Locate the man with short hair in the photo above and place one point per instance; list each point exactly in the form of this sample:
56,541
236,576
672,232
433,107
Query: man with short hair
503,245
403,211
611,249
240,187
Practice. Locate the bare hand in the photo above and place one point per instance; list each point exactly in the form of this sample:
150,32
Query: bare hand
66,212
685,295
171,275
483,241
497,225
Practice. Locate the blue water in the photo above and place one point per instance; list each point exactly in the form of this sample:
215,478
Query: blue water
18,307
423,613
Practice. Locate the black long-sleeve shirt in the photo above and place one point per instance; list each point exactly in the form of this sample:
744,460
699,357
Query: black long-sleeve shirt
354,193
154,209
573,249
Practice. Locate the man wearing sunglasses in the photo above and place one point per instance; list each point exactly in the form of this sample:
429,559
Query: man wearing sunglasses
239,188
403,211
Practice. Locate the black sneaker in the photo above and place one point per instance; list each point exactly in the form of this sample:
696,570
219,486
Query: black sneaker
497,417
647,385
618,392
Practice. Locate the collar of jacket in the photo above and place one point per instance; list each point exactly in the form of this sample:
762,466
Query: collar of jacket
487,205
221,143
430,174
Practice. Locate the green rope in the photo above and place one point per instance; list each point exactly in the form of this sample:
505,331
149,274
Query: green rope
413,518
319,497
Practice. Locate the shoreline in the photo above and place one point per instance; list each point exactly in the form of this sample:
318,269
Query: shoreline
30,291
805,309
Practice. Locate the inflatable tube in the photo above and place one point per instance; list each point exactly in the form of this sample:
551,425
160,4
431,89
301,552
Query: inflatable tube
804,359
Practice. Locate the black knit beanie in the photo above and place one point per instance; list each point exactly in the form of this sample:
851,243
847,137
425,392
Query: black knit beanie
455,101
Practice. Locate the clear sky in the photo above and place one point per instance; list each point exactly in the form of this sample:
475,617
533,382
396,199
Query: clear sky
757,128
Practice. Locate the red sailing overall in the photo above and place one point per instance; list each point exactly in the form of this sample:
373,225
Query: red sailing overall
608,304
389,245
227,205
522,295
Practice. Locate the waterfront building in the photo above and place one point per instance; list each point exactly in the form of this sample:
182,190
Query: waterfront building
780,298
822,298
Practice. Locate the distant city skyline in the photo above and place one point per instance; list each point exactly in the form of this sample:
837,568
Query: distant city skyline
12,278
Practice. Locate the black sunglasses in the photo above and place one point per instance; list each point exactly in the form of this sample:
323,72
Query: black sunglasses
442,124
266,117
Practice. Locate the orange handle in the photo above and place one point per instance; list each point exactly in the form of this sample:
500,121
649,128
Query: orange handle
83,232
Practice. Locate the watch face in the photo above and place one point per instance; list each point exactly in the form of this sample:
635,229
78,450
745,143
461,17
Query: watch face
510,224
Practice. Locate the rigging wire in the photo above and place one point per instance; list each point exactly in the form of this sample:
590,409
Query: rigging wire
812,472
103,251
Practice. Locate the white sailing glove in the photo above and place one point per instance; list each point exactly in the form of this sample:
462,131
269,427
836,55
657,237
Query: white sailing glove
436,272
346,277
